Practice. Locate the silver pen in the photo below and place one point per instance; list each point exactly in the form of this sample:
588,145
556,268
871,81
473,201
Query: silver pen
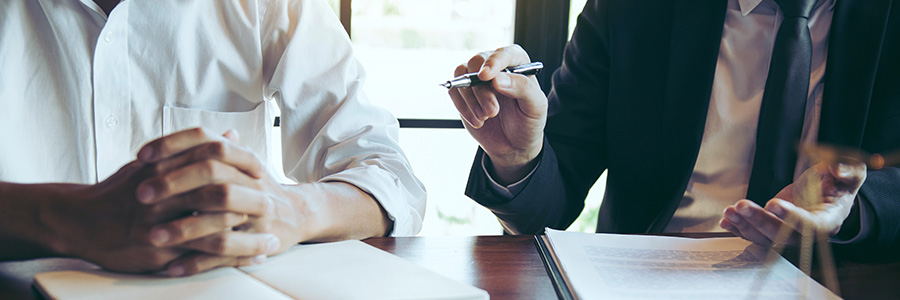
471,79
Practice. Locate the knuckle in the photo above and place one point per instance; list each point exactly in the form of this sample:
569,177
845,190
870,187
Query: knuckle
218,244
217,148
155,210
742,226
230,219
164,147
198,132
209,168
263,226
755,218
176,233
219,195
159,168
192,266
255,163
262,207
164,185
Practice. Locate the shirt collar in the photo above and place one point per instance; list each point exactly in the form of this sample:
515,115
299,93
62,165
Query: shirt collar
748,5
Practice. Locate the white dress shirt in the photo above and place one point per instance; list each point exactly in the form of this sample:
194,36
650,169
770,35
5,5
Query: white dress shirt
81,92
722,171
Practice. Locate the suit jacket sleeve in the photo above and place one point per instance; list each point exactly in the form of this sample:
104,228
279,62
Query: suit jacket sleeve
573,154
881,208
880,194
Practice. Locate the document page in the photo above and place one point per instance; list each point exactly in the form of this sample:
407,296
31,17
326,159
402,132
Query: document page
333,271
95,284
612,266
356,270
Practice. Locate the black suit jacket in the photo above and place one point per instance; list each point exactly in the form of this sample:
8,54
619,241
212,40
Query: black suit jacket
632,95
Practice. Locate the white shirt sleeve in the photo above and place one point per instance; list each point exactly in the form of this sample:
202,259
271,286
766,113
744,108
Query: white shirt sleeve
513,189
329,130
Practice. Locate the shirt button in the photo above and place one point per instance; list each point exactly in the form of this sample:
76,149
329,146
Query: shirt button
111,122
108,37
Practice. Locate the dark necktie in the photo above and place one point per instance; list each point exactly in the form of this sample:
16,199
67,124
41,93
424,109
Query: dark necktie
784,103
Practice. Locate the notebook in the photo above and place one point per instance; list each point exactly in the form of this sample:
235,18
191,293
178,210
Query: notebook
340,270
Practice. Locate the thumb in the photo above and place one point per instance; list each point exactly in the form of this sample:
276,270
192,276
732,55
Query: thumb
849,176
846,170
521,87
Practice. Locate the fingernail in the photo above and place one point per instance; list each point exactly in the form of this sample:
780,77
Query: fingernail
145,193
259,259
233,134
146,154
176,270
272,244
731,217
777,210
503,80
724,225
159,237
745,211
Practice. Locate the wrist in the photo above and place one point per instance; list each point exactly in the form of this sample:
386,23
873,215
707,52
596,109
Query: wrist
336,210
55,217
509,170
28,221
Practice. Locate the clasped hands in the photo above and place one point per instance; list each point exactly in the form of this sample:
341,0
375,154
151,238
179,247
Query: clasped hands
192,201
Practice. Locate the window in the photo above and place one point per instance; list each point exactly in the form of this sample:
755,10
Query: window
408,47
420,42
575,7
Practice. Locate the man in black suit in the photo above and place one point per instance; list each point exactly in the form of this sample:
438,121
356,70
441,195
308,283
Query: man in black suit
673,99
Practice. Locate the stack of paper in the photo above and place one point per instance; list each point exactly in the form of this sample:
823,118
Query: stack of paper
611,266
341,270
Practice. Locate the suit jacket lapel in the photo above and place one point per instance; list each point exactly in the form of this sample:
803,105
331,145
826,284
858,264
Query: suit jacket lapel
696,36
857,32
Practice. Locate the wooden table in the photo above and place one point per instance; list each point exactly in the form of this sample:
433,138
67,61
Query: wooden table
508,267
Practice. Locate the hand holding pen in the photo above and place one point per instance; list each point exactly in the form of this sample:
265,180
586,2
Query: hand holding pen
471,79
503,110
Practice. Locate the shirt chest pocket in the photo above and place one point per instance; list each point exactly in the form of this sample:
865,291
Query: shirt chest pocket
253,126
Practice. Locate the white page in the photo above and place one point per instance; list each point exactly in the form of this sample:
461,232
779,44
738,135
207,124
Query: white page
355,270
223,283
612,266
340,270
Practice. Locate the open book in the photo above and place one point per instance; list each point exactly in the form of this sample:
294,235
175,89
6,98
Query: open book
613,266
341,270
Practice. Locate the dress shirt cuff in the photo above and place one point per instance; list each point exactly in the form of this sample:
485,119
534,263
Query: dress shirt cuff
858,222
511,190
382,185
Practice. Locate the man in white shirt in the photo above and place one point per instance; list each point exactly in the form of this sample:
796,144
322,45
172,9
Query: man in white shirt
667,97
88,87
